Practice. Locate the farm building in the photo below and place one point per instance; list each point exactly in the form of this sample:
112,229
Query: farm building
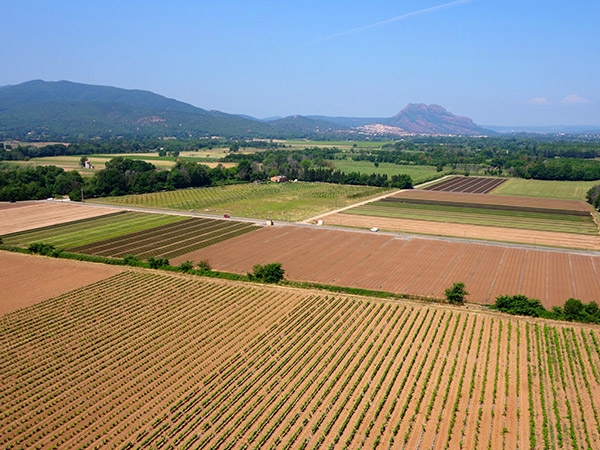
279,179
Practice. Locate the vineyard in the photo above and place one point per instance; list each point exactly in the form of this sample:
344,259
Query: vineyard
144,360
277,201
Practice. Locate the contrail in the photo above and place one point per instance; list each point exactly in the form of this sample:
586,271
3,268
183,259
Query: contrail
385,22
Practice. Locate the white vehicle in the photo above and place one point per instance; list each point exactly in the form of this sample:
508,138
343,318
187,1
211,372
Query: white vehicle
374,229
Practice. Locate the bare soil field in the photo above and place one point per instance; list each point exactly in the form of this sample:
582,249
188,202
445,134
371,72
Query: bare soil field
515,235
155,360
28,279
417,266
22,216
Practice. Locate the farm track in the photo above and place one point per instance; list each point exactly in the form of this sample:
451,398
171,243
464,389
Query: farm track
468,231
147,360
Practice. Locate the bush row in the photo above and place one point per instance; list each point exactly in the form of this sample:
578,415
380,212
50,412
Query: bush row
574,310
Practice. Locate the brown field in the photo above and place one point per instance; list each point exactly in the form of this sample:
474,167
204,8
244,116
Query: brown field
514,235
23,216
417,266
28,279
149,360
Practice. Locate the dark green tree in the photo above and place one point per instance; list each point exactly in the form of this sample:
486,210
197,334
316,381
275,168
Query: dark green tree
269,273
456,294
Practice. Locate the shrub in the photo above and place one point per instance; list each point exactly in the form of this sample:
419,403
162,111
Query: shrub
520,305
203,266
131,260
186,266
269,273
456,294
44,249
157,263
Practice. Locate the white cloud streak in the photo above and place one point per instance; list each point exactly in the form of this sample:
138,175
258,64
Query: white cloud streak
574,99
538,101
386,22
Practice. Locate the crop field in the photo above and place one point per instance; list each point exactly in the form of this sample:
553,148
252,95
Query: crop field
572,190
168,241
470,185
479,212
416,266
301,144
144,360
71,162
276,201
86,231
418,174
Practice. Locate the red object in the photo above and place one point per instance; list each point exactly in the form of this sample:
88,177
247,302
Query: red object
226,216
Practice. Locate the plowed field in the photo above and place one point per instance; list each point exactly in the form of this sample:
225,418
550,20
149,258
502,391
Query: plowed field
29,215
146,360
415,266
30,279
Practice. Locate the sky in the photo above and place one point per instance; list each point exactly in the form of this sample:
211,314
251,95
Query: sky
498,62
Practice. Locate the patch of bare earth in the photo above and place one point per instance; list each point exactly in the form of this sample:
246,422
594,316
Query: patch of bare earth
500,234
23,216
416,266
29,279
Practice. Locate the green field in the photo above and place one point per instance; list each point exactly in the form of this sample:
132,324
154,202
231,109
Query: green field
285,201
528,220
71,162
86,231
170,240
571,190
419,174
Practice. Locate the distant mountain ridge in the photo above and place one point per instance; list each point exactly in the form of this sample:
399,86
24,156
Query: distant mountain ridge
64,110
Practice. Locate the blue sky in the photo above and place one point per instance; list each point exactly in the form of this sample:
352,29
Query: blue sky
499,62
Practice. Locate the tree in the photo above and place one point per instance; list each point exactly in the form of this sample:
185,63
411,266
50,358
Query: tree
186,266
269,273
157,263
456,294
574,310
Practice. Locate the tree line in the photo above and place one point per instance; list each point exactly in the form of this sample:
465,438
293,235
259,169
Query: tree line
574,310
122,176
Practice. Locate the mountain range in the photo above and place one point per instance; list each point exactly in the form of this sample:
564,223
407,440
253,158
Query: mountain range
63,110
